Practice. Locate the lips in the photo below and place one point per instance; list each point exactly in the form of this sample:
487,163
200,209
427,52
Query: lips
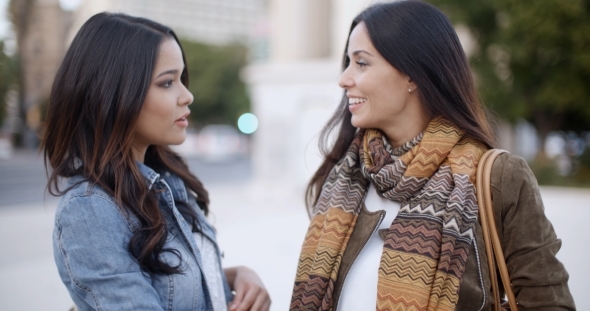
183,118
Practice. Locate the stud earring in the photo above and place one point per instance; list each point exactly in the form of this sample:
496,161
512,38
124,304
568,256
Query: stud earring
410,90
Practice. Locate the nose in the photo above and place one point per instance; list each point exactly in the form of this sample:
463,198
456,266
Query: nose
346,81
186,97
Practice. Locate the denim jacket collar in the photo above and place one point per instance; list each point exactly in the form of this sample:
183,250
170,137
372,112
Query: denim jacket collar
150,175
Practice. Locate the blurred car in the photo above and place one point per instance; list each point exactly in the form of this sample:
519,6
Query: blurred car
218,142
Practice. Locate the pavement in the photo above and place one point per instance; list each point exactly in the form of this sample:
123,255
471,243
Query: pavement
260,225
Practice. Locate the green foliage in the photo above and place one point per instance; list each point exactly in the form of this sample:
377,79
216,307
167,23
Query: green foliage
533,58
8,71
214,79
547,172
582,174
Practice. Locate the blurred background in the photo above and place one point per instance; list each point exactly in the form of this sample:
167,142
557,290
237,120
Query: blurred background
264,77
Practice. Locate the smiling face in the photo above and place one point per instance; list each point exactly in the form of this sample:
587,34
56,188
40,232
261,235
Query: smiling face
379,95
163,117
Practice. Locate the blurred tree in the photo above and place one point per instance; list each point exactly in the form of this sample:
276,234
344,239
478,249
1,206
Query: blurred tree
214,79
532,59
8,75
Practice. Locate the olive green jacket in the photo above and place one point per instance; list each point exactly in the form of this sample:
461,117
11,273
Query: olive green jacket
528,240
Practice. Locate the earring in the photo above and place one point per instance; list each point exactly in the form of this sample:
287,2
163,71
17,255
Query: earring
410,90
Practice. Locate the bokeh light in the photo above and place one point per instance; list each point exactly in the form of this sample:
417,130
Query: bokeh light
247,123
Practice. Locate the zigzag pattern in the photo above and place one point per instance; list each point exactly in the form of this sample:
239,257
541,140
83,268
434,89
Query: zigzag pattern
441,183
389,300
465,157
341,194
444,290
427,245
425,208
427,161
406,188
415,236
399,151
392,292
398,266
320,258
307,295
453,258
390,175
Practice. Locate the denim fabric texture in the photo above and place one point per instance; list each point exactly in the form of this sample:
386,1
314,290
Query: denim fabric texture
90,242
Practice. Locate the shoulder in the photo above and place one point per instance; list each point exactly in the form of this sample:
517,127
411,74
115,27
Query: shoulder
88,202
82,189
514,188
511,171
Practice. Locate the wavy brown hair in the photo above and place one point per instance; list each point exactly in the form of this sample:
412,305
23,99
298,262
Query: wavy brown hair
418,40
95,101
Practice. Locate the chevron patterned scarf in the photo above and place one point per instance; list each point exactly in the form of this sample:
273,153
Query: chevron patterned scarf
426,247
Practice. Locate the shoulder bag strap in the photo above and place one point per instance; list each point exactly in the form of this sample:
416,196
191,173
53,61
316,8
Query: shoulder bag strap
490,233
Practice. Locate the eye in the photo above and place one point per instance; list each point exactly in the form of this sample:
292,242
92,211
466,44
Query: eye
167,83
361,64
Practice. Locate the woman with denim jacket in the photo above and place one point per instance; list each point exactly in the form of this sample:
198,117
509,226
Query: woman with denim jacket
394,213
131,231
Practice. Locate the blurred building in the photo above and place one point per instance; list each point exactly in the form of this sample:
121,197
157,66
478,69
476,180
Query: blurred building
215,22
41,46
296,91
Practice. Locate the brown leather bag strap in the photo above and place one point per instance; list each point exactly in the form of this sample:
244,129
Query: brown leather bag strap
490,233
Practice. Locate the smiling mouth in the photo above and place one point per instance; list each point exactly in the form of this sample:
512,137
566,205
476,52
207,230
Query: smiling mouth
352,101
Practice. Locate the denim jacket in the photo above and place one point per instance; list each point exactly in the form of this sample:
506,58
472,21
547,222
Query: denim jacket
90,242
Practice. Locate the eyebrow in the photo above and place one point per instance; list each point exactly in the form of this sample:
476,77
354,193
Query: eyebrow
172,71
357,52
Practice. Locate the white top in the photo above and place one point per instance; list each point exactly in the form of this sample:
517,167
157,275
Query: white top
359,291
211,271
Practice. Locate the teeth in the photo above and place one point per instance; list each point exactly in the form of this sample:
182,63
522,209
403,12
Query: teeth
354,101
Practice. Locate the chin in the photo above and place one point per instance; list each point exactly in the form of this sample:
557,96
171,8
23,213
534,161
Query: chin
177,141
359,123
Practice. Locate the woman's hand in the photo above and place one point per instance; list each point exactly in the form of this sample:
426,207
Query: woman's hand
250,292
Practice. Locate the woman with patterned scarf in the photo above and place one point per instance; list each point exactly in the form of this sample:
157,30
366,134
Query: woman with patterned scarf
394,214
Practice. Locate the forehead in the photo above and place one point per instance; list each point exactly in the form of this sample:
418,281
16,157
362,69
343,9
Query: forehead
359,40
169,55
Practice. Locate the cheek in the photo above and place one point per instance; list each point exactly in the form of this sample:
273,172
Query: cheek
159,108
392,90
376,86
155,118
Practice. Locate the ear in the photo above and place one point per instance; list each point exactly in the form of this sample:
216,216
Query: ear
412,86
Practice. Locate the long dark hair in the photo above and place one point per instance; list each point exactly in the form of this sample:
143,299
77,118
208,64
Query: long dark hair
418,40
95,101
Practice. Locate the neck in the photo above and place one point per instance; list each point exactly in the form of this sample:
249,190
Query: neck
406,127
138,153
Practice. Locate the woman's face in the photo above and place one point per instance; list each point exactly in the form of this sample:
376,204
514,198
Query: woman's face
163,117
377,92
